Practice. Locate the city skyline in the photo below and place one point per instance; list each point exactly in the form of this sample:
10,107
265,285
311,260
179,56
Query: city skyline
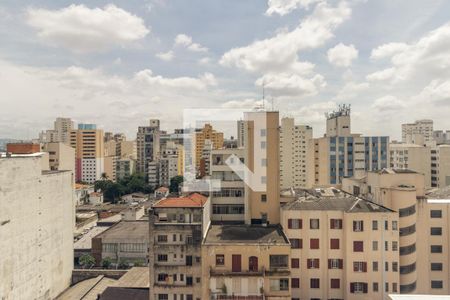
386,59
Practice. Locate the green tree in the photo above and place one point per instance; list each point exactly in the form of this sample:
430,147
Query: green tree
113,192
87,261
106,262
175,183
123,265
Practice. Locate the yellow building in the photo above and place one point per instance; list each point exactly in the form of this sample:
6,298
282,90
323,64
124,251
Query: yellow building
343,247
246,262
206,133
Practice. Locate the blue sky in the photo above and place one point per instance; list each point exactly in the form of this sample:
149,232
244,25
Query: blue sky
119,63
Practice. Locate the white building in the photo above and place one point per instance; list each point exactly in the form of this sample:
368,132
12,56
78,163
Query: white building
422,127
37,218
296,155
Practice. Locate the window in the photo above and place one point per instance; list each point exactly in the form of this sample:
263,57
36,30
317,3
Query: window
358,226
335,223
162,257
279,261
394,246
263,132
163,297
386,286
358,246
295,223
375,266
386,245
334,243
263,145
436,284
295,263
263,179
314,243
386,225
162,238
435,213
335,283
436,231
436,248
314,223
335,263
436,266
386,266
314,283
374,225
395,266
374,245
394,287
220,259
263,198
359,266
313,263
295,283
264,162
375,286
281,284
394,225
358,287
174,238
296,243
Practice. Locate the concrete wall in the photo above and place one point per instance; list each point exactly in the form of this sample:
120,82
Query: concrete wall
36,229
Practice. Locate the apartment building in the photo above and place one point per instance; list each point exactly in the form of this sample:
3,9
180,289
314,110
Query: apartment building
148,145
441,136
246,262
342,246
125,243
177,227
421,127
413,157
37,218
228,201
200,136
125,168
440,166
262,158
341,154
423,227
240,133
296,155
88,143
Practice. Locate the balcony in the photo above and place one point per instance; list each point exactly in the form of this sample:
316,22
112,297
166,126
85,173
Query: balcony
218,272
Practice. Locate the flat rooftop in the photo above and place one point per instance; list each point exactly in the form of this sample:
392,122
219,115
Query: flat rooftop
395,171
332,199
128,230
245,234
86,241
442,193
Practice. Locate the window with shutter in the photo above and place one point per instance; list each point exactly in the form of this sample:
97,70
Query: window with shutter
314,243
295,283
358,246
334,243
335,283
295,263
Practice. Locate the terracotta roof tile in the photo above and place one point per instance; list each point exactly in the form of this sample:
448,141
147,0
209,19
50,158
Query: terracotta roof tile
193,200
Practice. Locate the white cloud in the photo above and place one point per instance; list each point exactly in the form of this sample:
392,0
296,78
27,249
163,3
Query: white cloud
166,56
81,29
437,93
416,63
388,103
351,90
288,84
283,7
280,52
245,103
314,114
388,50
186,41
342,55
204,60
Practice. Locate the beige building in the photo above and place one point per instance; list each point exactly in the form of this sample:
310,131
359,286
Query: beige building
296,155
342,247
421,127
147,145
87,141
262,158
61,156
124,168
63,127
228,202
177,227
206,133
246,262
423,227
413,157
440,166
37,218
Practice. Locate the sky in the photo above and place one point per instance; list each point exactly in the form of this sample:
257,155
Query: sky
120,63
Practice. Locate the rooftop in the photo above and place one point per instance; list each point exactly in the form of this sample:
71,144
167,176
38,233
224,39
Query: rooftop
394,171
332,199
128,230
120,293
86,241
193,200
442,193
245,234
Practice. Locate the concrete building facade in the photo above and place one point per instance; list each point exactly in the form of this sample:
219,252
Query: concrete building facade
37,218
200,136
422,127
177,227
296,155
147,145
